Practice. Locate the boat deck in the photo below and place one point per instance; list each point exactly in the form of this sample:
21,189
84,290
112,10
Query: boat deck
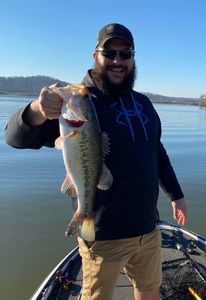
124,289
183,264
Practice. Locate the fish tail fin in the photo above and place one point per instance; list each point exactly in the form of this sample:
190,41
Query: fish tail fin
79,89
88,229
75,89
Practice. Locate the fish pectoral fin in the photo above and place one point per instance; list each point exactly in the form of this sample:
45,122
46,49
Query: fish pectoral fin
72,134
68,189
105,144
106,178
59,143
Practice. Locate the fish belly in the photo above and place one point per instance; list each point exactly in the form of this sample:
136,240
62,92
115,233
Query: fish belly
83,161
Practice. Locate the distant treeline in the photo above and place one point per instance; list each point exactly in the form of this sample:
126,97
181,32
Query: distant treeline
202,101
32,85
175,100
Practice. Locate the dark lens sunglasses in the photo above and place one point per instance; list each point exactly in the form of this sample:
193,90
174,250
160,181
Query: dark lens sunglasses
111,54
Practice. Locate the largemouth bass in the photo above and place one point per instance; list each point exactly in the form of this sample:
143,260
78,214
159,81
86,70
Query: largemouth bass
84,148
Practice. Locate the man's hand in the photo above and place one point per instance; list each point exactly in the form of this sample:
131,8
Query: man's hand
179,211
47,106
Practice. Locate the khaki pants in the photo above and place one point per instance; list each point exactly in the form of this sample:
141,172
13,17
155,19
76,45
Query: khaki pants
103,260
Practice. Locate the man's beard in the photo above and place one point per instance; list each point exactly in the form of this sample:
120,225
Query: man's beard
108,88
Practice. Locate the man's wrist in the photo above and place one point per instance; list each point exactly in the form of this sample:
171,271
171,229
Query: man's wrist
32,115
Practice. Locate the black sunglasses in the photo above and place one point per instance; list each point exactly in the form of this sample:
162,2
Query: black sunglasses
111,54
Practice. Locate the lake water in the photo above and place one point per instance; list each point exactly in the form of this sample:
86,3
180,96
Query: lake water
34,213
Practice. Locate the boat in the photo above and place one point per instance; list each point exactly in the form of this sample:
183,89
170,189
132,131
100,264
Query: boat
183,265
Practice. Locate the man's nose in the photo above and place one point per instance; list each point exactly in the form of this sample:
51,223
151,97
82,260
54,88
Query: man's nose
117,58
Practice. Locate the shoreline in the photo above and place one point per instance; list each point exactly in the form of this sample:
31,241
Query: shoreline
196,103
18,94
155,101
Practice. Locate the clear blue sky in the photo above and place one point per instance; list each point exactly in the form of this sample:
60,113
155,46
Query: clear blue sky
57,38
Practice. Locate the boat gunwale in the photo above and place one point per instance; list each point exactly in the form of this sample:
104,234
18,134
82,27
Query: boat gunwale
73,254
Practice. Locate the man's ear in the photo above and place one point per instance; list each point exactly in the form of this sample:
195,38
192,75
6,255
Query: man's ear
94,55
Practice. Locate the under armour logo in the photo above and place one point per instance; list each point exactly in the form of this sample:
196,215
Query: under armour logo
124,115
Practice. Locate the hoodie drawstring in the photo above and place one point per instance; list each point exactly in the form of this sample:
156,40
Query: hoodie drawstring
127,113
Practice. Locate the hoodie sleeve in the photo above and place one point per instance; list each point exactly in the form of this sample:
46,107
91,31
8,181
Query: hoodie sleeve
167,176
18,134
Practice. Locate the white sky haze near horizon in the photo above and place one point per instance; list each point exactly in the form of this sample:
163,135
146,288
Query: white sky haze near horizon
57,38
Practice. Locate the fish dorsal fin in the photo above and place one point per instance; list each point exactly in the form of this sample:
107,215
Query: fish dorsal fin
68,189
105,144
106,178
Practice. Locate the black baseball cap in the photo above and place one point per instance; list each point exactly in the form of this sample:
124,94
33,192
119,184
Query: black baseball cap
114,30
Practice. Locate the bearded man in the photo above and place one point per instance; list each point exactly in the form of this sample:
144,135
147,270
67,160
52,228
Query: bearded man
126,215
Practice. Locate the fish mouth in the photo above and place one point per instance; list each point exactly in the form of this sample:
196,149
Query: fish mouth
74,123
74,118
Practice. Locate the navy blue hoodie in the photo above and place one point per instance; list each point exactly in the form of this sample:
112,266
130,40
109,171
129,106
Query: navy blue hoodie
137,161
